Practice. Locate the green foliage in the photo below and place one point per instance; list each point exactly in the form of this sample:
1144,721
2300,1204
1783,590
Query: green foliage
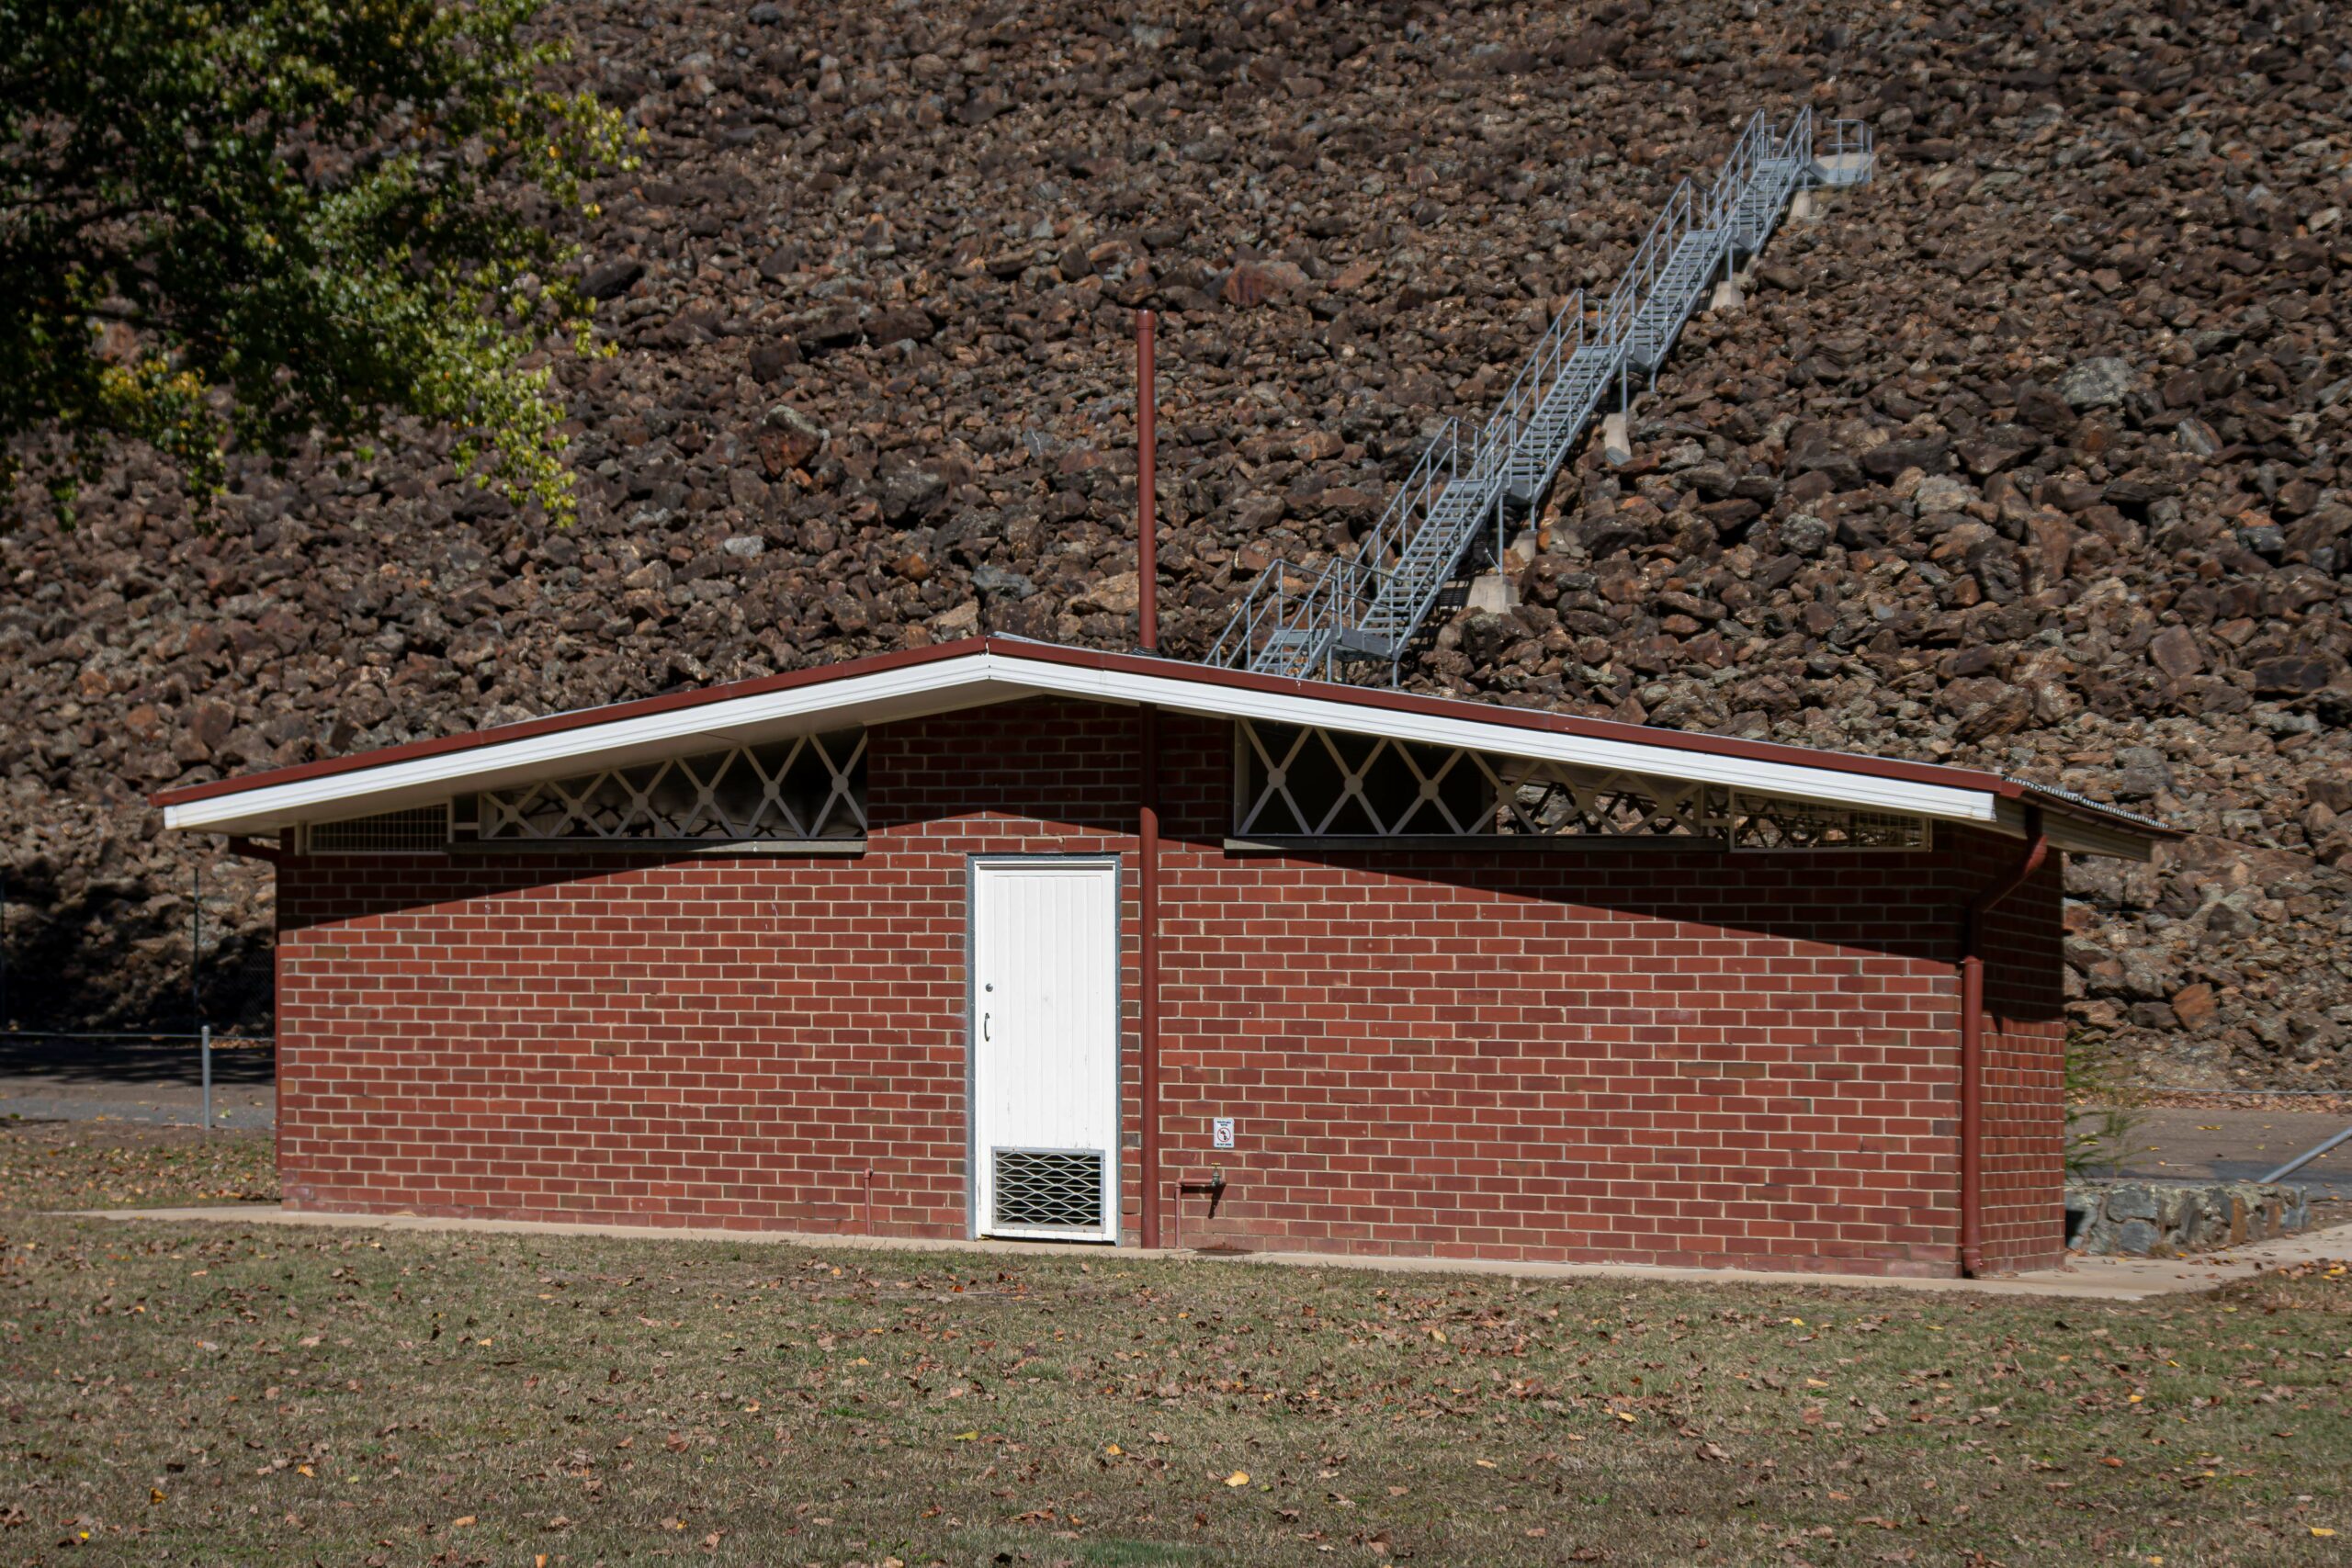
2102,1103
254,224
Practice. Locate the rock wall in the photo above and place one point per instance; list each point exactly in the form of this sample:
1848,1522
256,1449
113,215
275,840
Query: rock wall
2030,456
2139,1219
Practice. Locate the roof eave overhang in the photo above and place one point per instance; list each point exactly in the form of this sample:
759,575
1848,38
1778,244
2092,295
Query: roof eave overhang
1607,754
893,688
2081,831
882,697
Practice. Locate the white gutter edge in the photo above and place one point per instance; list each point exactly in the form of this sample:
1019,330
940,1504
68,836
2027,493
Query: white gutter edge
1020,676
1796,781
563,745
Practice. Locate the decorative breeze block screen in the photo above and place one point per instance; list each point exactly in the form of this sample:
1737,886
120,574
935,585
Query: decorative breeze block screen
809,787
1315,783
1048,1188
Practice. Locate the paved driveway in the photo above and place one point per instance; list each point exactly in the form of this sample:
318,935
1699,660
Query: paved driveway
135,1080
2237,1145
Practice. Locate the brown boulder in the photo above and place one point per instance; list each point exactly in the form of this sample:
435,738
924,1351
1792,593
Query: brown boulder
2193,1006
792,439
1253,283
2294,674
2175,651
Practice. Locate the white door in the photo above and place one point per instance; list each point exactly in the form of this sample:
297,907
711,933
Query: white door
1046,1048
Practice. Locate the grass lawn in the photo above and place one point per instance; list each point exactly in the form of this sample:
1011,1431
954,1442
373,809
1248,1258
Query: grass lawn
130,1164
173,1393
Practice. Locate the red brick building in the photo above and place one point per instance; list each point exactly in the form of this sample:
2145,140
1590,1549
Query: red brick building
919,945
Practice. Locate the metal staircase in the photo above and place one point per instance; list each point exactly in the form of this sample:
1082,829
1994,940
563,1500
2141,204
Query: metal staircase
1364,608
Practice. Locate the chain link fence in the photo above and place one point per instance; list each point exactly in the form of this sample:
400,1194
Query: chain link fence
203,1078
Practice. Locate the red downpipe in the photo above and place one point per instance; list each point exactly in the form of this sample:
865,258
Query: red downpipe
1147,793
1972,1044
1147,508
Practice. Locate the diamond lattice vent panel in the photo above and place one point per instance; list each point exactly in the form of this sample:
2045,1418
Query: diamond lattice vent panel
1049,1190
809,787
1316,783
1759,823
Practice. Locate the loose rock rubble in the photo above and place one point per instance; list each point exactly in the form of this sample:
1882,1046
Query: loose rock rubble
2029,455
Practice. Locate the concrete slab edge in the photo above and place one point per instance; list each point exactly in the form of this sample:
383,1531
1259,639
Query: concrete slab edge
2099,1279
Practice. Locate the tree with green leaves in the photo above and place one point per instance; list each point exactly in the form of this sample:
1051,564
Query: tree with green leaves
260,225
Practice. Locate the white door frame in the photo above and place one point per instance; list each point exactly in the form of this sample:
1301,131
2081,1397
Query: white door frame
973,1154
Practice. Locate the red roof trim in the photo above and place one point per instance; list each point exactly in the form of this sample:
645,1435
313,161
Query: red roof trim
579,718
1473,711
1202,674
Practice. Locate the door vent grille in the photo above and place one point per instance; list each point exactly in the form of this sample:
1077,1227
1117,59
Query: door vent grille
1049,1190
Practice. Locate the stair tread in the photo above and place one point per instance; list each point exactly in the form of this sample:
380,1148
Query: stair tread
1514,472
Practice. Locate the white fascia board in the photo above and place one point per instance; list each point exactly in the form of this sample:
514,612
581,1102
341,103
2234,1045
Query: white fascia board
1795,781
982,678
897,693
2080,838
2079,834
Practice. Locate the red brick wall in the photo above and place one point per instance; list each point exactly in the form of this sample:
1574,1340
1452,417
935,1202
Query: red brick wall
1659,1056
2025,1050
732,1041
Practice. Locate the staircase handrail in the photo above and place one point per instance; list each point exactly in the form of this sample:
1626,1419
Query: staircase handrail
1259,607
1741,168
1796,153
1237,640
1369,599
1422,486
1525,395
1852,136
1316,612
1625,300
1799,143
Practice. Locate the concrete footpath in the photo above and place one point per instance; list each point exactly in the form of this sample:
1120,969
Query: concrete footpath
2089,1279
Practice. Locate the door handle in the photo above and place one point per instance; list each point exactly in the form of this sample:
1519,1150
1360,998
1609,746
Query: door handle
984,1026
